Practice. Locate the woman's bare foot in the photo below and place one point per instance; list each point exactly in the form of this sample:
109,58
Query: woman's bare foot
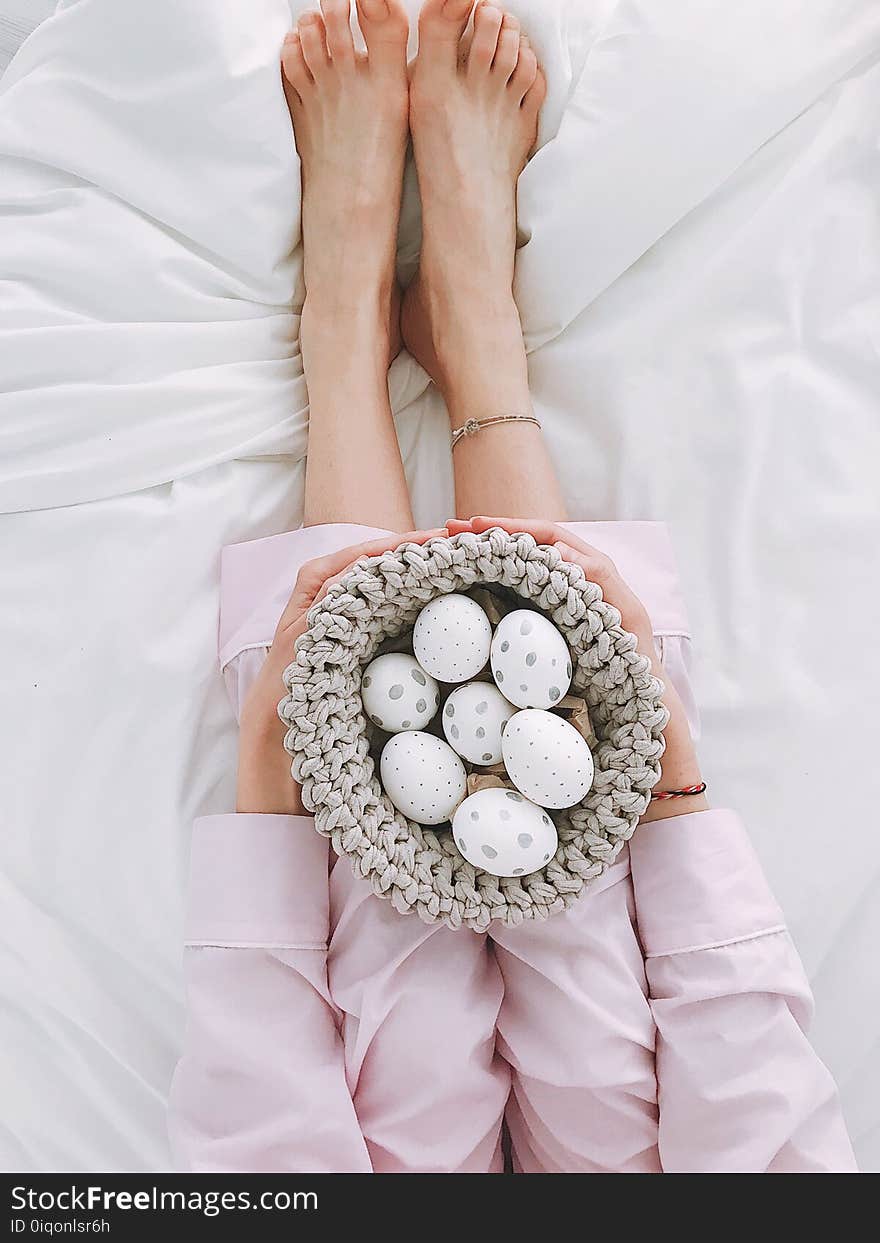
474,104
349,113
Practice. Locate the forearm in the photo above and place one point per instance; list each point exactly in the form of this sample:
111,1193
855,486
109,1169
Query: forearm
264,784
680,766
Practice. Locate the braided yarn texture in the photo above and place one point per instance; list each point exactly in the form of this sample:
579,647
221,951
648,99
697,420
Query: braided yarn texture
328,735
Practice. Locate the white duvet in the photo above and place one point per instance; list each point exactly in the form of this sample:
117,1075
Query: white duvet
699,290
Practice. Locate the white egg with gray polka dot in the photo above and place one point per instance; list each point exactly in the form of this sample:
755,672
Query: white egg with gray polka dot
531,662
397,694
546,758
451,638
422,776
503,833
473,718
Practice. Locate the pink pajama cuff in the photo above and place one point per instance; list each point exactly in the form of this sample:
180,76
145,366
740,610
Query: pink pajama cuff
258,880
698,884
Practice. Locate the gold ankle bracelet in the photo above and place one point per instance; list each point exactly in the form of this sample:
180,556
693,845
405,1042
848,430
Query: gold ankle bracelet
472,426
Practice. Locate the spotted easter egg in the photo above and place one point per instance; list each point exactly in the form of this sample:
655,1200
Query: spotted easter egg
546,758
503,833
531,662
473,718
422,776
451,638
397,694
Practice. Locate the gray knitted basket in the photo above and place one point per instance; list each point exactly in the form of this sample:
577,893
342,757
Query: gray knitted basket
418,868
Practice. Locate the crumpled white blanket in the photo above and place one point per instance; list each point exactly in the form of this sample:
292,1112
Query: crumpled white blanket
698,284
151,193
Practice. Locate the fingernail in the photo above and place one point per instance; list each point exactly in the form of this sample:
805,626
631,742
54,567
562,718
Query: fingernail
376,10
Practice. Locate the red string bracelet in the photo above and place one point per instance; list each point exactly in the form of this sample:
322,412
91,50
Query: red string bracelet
684,792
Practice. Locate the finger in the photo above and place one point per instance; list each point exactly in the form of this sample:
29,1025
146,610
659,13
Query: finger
316,577
597,567
320,569
543,532
314,574
372,548
456,526
601,570
375,548
283,649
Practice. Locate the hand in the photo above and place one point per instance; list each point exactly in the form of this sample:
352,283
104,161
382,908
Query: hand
265,784
680,764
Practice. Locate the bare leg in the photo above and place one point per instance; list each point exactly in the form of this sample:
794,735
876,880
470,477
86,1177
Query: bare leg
474,107
349,116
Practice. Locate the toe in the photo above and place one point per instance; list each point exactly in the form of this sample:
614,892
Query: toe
296,72
535,95
385,28
314,43
507,51
523,76
337,23
441,25
487,28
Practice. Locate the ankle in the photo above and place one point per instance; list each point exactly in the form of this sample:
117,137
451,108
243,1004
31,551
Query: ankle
470,324
482,365
486,376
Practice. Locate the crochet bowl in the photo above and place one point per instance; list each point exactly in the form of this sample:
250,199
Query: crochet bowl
329,738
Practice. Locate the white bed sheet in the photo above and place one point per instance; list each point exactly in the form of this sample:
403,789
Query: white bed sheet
17,19
699,290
